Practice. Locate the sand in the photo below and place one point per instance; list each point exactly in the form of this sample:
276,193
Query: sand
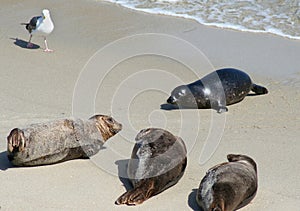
140,59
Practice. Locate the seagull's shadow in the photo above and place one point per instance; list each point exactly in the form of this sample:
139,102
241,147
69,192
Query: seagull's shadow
122,172
23,44
4,162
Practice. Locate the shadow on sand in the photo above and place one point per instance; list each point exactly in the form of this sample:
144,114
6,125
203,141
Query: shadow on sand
23,44
4,162
122,172
168,107
192,201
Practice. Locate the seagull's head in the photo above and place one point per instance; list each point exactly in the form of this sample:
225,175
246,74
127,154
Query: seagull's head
45,13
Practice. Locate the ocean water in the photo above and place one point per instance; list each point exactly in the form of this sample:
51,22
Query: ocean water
280,17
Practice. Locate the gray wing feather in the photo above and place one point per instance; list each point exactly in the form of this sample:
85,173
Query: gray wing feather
33,23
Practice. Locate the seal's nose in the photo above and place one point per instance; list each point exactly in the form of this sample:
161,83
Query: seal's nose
171,100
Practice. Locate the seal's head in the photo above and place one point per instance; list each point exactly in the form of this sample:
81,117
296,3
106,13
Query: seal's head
149,134
178,94
15,143
107,125
182,96
242,158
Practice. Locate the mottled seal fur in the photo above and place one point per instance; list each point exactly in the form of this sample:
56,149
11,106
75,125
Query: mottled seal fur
228,186
59,140
216,90
157,162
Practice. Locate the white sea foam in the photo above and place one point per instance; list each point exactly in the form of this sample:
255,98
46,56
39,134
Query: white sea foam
280,17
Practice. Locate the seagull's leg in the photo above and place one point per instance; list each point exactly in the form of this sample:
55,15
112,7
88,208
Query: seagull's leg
47,49
29,44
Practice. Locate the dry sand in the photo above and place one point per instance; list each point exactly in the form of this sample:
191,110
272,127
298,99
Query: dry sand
37,86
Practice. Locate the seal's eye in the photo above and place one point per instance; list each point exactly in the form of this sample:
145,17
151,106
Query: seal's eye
176,95
110,120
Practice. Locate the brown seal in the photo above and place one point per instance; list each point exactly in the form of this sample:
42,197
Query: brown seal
157,162
59,140
228,186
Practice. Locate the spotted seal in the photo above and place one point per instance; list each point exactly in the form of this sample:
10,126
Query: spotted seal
228,186
59,140
216,90
157,162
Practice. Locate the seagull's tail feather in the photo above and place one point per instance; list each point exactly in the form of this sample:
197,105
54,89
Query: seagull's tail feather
26,25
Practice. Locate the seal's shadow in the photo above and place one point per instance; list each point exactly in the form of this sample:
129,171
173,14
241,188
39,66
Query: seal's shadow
23,44
192,201
168,107
4,162
122,173
253,94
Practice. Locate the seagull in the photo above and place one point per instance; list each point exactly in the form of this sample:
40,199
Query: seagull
41,26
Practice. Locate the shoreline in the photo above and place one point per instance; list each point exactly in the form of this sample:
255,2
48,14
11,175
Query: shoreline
38,87
272,31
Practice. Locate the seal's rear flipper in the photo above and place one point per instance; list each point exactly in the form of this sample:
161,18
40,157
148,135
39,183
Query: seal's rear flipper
260,90
137,195
15,141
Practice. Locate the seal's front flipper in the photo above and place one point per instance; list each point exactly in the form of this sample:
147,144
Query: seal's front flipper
137,195
15,141
219,107
260,90
222,109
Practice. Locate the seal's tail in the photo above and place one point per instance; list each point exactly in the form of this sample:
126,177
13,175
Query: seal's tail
260,90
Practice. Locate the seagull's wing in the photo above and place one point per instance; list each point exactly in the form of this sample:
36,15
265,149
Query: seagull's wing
34,23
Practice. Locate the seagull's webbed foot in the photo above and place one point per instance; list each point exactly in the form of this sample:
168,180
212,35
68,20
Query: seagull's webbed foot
29,45
48,50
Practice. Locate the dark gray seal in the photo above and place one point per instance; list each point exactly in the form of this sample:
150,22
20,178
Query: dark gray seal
59,140
157,162
215,90
228,186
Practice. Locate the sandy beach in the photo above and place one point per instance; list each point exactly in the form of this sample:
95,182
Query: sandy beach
111,60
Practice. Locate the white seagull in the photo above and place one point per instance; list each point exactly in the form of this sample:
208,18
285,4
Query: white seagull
40,26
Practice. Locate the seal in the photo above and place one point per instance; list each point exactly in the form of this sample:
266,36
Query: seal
228,186
158,161
59,140
216,90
